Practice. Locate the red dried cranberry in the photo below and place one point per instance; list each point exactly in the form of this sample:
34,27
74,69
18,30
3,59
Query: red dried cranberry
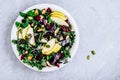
47,35
69,29
67,21
39,57
23,21
62,55
57,64
22,57
37,17
65,28
49,10
22,41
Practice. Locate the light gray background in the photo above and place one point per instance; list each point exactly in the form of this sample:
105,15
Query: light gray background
99,25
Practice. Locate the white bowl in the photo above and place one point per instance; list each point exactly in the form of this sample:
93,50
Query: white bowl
53,7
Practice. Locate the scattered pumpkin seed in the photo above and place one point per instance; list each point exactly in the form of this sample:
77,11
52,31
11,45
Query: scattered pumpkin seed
93,52
88,57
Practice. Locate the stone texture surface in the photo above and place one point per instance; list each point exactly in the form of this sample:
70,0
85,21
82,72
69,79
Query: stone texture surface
99,26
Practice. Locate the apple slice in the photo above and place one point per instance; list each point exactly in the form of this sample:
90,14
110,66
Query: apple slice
30,31
59,16
51,43
19,33
57,13
59,21
55,49
24,32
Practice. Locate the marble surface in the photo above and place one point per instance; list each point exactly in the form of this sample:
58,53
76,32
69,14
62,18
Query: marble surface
99,26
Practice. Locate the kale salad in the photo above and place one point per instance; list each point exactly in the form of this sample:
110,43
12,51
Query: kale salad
44,38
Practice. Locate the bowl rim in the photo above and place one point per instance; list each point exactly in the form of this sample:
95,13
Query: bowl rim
54,7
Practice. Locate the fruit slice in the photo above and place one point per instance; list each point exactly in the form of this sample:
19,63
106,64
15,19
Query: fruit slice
59,21
51,44
56,48
30,31
19,33
57,13
59,16
24,32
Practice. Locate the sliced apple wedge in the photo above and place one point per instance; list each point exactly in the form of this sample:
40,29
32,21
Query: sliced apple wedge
30,31
24,32
57,13
55,49
59,21
59,16
19,35
51,43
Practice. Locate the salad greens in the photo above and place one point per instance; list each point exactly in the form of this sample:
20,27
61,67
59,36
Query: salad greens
41,40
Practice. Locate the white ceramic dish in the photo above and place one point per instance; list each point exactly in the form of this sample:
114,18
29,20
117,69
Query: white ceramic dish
53,7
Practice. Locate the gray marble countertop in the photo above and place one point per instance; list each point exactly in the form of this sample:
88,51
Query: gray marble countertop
99,26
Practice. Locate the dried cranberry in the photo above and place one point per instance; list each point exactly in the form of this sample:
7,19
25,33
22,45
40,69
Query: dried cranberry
22,57
39,57
37,17
69,29
62,55
57,64
49,10
22,41
48,34
67,21
65,28
23,21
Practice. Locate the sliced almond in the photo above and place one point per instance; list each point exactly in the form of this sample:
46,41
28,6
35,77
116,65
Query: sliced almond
43,11
61,37
67,37
49,65
43,40
40,29
26,52
32,24
41,17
